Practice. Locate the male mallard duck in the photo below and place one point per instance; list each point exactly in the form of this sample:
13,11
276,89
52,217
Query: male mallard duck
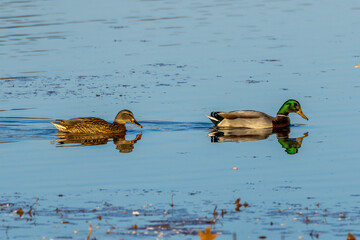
92,125
255,119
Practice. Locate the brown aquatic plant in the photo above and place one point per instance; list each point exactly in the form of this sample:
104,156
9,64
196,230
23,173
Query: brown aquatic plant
207,235
215,213
29,212
172,200
223,212
90,232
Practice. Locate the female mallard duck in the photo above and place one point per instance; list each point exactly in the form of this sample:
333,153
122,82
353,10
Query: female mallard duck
255,119
92,125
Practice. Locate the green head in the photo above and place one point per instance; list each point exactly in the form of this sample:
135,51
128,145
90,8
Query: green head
291,145
289,106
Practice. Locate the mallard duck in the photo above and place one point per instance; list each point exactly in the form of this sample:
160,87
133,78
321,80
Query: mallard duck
93,125
255,119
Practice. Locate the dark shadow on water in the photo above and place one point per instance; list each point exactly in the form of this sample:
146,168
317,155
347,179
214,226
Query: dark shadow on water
81,140
291,145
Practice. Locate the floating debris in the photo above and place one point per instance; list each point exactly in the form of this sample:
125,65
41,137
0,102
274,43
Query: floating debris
350,237
90,232
207,235
134,226
19,212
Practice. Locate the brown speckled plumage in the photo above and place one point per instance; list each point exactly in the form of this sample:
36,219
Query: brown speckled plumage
93,125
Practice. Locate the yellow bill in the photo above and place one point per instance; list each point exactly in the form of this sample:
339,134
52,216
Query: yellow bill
357,66
302,114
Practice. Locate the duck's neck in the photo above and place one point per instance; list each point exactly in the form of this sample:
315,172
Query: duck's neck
281,121
284,111
118,126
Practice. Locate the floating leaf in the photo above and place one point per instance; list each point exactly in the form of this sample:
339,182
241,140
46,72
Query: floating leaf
207,235
19,212
350,237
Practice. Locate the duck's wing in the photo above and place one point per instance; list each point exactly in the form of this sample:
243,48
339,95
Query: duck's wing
82,125
244,114
246,119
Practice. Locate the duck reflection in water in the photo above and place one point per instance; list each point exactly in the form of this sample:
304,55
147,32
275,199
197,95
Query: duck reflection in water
291,145
80,140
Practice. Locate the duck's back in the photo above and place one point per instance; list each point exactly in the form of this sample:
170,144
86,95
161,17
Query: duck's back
88,125
246,119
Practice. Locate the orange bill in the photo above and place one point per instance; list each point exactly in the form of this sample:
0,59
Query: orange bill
302,114
136,123
357,66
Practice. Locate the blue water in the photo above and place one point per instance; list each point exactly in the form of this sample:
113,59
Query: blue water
171,63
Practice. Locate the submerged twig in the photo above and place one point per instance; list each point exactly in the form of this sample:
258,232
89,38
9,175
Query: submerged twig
90,232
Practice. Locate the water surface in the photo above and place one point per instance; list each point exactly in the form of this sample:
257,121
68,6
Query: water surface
171,63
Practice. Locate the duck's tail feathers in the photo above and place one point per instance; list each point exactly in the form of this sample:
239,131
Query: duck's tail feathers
215,117
59,126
